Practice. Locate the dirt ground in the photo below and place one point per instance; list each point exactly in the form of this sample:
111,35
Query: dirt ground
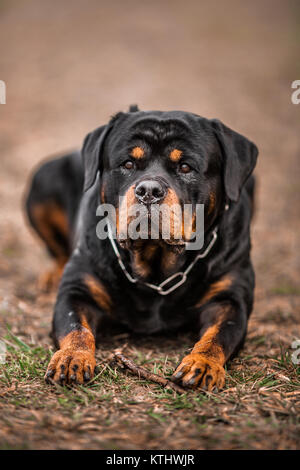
68,66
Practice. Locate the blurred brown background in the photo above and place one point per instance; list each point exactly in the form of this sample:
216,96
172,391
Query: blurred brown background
70,65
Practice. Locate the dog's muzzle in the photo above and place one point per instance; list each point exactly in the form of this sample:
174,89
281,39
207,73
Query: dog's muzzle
150,191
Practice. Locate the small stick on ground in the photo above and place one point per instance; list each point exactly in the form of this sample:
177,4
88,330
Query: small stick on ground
145,374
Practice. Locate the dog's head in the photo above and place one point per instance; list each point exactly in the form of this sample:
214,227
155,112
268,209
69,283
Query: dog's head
173,158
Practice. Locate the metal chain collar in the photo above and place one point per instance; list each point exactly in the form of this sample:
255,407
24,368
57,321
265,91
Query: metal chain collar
182,275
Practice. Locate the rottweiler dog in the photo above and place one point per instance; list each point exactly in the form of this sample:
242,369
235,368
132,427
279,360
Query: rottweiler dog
149,285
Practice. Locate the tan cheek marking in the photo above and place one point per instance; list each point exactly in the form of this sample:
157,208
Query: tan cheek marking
171,198
209,346
176,225
189,227
98,292
215,289
175,155
137,152
123,221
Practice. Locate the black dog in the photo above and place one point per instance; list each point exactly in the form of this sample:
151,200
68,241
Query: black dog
152,158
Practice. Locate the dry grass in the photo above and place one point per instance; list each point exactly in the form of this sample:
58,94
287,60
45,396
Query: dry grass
259,407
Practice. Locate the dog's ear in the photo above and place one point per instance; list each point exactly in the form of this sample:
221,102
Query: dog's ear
91,151
133,108
239,156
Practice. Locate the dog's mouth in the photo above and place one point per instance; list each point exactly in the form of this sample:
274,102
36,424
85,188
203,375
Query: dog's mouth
150,227
156,220
140,245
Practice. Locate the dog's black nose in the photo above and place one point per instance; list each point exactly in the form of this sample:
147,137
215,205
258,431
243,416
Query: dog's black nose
149,191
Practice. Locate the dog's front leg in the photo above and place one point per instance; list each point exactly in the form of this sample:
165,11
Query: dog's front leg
78,311
74,362
223,317
222,333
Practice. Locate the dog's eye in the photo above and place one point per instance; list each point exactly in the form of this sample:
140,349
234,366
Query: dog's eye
128,165
185,168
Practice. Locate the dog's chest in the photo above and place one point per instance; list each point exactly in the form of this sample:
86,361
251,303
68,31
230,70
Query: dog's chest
151,314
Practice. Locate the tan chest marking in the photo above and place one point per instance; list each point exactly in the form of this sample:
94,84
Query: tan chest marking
215,288
98,292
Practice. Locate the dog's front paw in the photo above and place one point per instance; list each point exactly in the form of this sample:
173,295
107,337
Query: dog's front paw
69,366
199,370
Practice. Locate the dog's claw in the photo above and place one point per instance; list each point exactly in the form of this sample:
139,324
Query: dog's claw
87,376
178,375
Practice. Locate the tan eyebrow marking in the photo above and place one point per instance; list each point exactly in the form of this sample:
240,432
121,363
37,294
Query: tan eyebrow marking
175,155
137,152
